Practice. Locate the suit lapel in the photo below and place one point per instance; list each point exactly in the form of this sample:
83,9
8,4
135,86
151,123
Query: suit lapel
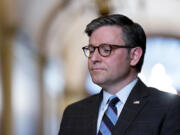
94,111
135,102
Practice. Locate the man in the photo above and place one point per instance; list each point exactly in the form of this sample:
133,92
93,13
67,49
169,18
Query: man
125,106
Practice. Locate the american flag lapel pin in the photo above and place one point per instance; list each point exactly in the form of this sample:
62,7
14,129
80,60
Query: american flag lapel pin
136,102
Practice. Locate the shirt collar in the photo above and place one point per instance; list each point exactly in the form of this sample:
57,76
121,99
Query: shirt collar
122,94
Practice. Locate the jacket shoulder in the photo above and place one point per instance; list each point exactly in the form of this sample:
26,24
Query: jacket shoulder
163,97
83,105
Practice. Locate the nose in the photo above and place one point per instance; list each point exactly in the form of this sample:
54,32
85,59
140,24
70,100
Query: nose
95,56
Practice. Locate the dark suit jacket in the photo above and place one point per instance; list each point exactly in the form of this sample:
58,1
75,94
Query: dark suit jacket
157,114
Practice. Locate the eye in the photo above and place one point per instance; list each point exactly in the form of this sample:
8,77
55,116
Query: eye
106,48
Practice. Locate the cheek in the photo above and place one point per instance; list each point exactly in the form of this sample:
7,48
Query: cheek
118,64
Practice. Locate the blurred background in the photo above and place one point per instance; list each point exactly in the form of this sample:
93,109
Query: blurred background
43,68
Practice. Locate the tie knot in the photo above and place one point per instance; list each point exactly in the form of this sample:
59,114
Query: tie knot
113,100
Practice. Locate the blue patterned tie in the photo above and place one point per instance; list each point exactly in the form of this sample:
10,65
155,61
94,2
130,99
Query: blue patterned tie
110,117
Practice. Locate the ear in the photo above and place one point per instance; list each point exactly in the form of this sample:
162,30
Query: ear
135,55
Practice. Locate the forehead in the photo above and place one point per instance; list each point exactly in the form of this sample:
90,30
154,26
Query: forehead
107,34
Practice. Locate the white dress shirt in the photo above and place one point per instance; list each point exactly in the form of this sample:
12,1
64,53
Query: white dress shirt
122,95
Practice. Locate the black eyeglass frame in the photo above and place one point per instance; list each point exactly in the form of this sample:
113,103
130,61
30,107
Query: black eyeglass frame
112,46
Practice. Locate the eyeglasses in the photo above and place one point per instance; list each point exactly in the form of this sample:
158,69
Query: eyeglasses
103,49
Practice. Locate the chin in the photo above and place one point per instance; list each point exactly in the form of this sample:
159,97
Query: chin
98,82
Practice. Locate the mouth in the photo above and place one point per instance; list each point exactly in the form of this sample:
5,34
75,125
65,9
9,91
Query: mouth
97,69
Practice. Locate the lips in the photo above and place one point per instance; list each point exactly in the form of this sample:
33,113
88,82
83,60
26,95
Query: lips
97,69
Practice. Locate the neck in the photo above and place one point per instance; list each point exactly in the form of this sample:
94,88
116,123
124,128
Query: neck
114,88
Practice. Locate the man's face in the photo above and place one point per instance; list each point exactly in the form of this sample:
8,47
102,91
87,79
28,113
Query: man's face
111,70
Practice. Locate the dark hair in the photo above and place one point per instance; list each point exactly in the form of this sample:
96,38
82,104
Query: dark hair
133,33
